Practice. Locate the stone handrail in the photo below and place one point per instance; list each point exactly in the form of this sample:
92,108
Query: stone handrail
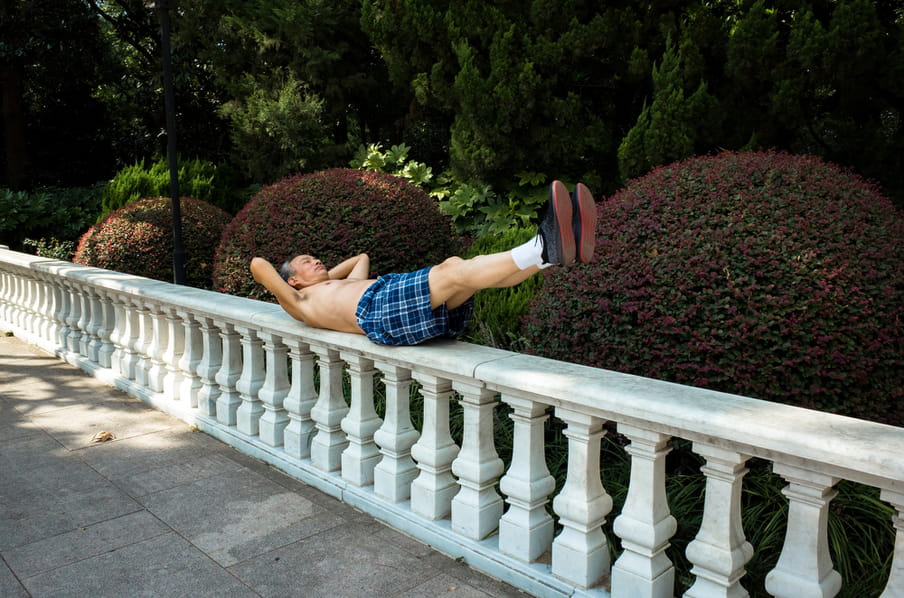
244,372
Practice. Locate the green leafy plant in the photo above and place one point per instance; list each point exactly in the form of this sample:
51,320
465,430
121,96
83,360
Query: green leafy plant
765,274
498,312
200,179
138,239
50,212
333,214
473,207
51,248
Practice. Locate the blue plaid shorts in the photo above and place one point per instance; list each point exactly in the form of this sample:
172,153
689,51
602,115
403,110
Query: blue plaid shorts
395,310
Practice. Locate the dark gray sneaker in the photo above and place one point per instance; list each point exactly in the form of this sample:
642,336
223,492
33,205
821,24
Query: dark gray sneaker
583,222
557,229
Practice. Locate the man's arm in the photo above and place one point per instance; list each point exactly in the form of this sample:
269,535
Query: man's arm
354,268
264,273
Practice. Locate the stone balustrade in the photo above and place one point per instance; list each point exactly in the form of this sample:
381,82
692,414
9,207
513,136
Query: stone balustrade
246,373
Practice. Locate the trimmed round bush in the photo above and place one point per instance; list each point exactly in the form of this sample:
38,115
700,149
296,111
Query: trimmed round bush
332,215
138,239
770,275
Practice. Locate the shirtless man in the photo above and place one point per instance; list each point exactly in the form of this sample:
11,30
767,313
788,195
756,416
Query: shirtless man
407,309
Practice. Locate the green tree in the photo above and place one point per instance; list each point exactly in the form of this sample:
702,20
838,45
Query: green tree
667,129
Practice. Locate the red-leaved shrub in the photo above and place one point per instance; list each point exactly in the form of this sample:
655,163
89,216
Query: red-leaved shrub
332,215
138,239
770,275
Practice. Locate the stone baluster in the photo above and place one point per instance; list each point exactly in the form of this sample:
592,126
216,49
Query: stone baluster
526,529
230,371
5,279
895,585
300,400
95,322
117,334
155,350
328,412
209,366
21,301
249,384
74,337
175,346
434,487
361,455
91,317
21,319
580,554
141,341
645,524
719,550
190,359
804,568
106,329
84,319
6,282
272,394
44,309
477,507
396,470
132,338
60,315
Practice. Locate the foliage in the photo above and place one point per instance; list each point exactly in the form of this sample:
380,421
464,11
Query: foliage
60,213
197,178
473,208
497,312
332,215
519,82
559,87
277,132
138,239
52,248
764,274
668,128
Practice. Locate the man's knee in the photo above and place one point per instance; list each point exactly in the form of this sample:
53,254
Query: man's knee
448,273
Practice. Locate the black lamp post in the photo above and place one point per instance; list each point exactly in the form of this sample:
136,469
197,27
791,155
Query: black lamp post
162,7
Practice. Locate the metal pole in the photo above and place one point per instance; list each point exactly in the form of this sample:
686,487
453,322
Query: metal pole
170,107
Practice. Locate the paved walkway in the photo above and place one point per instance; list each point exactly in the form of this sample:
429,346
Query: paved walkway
166,511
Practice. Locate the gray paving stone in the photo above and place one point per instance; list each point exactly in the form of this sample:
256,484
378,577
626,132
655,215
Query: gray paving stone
238,516
349,560
9,585
82,543
177,444
166,565
26,523
444,585
74,426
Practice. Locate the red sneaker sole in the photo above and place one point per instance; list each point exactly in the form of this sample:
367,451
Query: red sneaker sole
586,208
561,201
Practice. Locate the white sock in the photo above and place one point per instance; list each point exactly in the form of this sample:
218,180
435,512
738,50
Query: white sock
529,254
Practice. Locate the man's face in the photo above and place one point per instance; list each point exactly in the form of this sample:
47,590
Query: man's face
308,270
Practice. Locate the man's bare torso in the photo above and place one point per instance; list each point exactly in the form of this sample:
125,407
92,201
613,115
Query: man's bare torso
331,304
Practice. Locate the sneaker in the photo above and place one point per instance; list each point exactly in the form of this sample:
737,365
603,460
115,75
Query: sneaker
556,228
584,222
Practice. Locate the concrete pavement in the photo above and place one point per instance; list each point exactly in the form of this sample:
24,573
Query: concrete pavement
163,510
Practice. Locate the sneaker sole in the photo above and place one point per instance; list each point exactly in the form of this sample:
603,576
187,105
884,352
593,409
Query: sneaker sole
562,206
584,223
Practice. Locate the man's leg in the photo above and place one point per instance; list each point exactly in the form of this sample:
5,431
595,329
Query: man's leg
454,281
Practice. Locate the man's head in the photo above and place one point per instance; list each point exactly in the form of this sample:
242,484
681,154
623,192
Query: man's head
303,270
